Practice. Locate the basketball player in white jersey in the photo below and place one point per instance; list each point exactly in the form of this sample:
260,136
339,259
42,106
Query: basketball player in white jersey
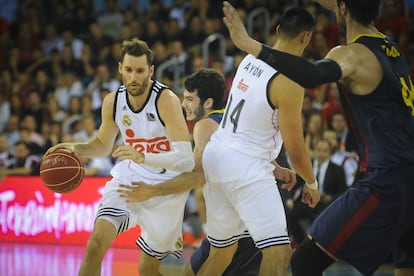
240,191
156,148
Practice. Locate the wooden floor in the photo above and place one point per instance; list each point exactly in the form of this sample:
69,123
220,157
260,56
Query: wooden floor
18,259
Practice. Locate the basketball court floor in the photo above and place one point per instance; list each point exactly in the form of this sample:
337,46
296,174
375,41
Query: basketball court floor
29,259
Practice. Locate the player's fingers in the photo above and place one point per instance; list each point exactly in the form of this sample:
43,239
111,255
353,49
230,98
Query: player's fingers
124,186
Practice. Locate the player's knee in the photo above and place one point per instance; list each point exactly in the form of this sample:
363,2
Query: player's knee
223,254
309,259
279,254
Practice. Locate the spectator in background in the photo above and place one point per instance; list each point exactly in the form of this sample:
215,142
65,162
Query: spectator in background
332,183
89,63
99,41
346,160
51,40
30,124
88,129
339,125
72,122
11,131
333,104
99,166
314,131
393,21
5,111
52,112
102,81
23,162
69,63
111,19
75,43
68,87
36,109
43,84
5,154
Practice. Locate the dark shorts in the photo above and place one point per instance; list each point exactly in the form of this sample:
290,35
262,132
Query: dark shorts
246,260
366,224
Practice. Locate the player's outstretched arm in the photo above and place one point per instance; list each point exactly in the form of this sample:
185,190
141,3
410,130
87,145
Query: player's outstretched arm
308,75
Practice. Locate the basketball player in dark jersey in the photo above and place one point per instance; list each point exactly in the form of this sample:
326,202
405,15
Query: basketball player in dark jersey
374,217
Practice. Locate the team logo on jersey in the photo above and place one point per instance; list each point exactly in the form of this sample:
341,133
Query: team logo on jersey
150,117
179,243
242,86
126,121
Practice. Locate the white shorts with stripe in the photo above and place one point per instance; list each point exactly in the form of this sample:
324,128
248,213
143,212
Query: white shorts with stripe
240,193
160,217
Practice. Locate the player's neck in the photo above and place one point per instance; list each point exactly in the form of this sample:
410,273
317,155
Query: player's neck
354,29
288,47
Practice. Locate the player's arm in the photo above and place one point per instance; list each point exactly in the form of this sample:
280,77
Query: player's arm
284,174
186,181
180,157
308,75
288,97
102,144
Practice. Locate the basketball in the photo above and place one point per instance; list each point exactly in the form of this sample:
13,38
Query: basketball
61,171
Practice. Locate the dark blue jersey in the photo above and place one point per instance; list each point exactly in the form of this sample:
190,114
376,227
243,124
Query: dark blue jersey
216,115
382,122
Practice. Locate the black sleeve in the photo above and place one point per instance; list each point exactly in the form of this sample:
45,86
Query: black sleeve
298,69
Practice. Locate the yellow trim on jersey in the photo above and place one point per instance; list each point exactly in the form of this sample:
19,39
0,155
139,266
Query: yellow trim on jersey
215,111
377,35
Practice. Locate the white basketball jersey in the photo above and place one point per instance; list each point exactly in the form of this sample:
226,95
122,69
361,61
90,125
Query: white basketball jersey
250,123
143,130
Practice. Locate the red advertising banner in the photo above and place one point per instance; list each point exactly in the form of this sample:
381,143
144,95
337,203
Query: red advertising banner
30,212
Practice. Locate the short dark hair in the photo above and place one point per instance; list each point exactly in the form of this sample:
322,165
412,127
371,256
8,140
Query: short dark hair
136,48
295,21
364,12
209,84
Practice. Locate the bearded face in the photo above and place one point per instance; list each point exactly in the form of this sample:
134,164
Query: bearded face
136,74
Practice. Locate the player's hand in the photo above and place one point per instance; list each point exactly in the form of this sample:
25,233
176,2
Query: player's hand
136,192
286,175
127,152
234,24
69,146
310,197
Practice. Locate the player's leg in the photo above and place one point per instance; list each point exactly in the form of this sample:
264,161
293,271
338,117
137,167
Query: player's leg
201,206
260,206
309,259
161,221
148,265
218,260
101,238
275,260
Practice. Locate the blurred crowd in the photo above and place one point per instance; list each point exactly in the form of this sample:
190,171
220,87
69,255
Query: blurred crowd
58,59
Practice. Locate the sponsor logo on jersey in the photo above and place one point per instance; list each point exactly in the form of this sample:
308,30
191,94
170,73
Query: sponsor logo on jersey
242,86
153,145
126,121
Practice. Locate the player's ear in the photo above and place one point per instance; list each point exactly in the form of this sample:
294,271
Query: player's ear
208,104
119,67
277,29
305,37
343,8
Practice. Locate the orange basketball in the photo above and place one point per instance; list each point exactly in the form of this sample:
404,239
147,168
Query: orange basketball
62,171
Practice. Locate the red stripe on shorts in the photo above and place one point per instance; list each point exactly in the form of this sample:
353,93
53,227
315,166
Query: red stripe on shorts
360,215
